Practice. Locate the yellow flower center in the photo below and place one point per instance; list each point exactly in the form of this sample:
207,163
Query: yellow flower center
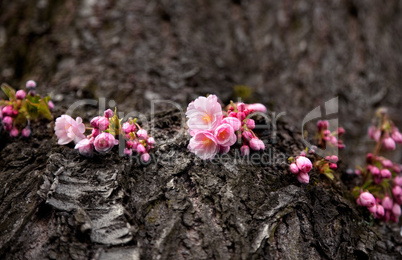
207,118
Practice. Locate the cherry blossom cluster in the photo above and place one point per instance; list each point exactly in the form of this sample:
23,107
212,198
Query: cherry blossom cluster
215,131
17,112
384,131
301,166
105,132
325,136
381,191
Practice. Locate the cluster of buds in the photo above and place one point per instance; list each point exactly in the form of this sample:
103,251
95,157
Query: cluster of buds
105,132
325,136
137,140
383,131
380,178
301,166
214,131
327,165
17,112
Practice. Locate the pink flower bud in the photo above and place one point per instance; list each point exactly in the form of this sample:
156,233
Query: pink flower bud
233,114
334,158
241,116
262,145
241,107
377,135
233,122
104,142
386,163
327,135
334,140
20,94
397,193
371,131
7,111
126,127
372,209
389,143
397,136
30,84
26,132
7,121
247,135
128,151
398,180
151,141
255,144
50,105
396,168
142,134
145,157
357,172
133,128
333,166
14,132
387,203
374,170
95,132
250,124
302,153
224,149
293,168
245,150
386,174
341,131
395,213
257,107
325,124
303,177
366,199
95,121
304,164
103,123
380,212
85,147
108,113
246,112
140,148
129,144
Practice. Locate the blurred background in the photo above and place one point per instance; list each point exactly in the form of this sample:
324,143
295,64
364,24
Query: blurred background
290,55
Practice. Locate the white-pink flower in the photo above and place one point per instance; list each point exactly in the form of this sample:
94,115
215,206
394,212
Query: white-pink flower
67,129
233,122
204,113
204,145
225,135
104,142
86,147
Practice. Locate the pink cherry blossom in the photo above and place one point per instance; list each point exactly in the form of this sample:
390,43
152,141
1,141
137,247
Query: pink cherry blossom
103,123
151,141
398,180
241,116
7,111
145,157
67,129
95,121
250,124
108,113
386,174
7,121
387,203
126,127
225,135
204,145
85,147
20,94
380,212
104,142
140,148
14,132
26,132
241,107
247,135
255,144
366,199
30,84
142,134
304,164
386,163
233,121
245,150
205,113
374,170
293,168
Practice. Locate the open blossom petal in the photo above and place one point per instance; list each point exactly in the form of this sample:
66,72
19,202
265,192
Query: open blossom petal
205,113
225,135
105,142
85,147
67,129
204,145
304,164
233,122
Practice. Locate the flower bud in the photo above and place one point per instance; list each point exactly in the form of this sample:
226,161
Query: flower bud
333,166
386,163
257,107
303,177
245,150
397,136
389,143
341,131
30,84
108,113
333,140
250,124
128,151
233,114
7,121
366,199
95,132
387,203
397,193
371,132
262,145
20,94
395,213
224,149
247,135
104,142
233,122
145,157
14,132
374,170
254,144
50,105
103,123
246,112
7,111
142,134
151,141
85,147
241,106
26,132
95,121
398,180
241,116
386,174
293,168
304,164
140,148
372,209
126,128
334,158
380,211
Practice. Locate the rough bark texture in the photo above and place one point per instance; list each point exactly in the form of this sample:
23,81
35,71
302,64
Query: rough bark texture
293,54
